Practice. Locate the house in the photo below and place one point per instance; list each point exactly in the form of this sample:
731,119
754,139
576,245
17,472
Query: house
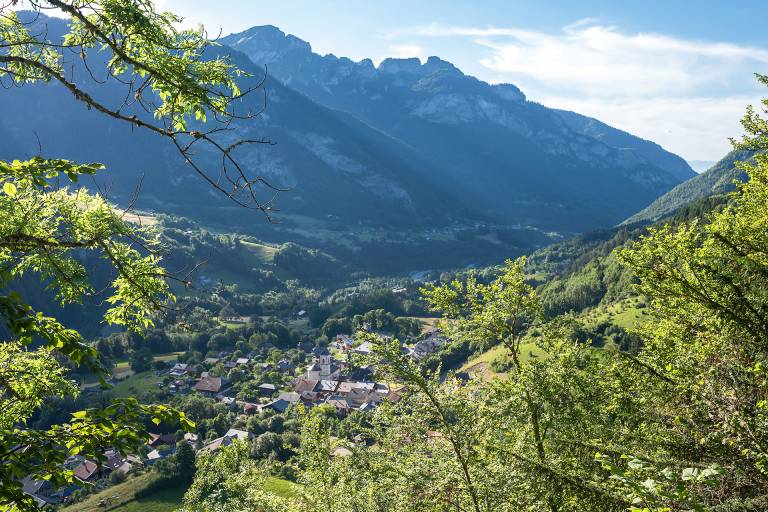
284,366
250,408
382,389
278,405
114,459
357,393
362,439
289,396
341,451
87,471
242,361
178,386
360,373
309,398
303,385
228,401
156,440
229,364
116,463
73,461
40,490
227,439
179,370
241,435
364,349
209,386
344,341
212,361
128,464
153,456
301,313
428,345
267,389
368,406
340,403
327,386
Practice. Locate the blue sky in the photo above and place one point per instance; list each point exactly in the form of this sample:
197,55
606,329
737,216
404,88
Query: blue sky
676,72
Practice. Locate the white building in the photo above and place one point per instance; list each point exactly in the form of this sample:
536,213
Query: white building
322,367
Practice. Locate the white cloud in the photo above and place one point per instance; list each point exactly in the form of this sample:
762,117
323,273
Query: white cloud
693,127
686,95
598,60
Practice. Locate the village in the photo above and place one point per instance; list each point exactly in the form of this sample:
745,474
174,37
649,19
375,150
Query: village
338,376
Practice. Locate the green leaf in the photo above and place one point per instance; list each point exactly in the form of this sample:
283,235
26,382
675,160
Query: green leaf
9,188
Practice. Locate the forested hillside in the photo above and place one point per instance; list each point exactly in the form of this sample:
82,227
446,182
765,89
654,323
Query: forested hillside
570,427
718,179
379,291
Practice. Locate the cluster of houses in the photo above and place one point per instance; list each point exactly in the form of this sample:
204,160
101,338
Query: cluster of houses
89,471
430,344
331,382
45,493
206,384
326,381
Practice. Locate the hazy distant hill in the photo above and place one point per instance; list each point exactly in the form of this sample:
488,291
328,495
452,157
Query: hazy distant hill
524,162
701,165
717,179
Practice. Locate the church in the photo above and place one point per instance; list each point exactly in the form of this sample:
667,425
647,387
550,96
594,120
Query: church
322,367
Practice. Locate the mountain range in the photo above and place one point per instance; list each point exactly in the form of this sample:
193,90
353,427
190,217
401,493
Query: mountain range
516,159
402,147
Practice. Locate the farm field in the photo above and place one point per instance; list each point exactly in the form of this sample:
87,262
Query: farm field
122,369
122,498
625,314
137,384
481,365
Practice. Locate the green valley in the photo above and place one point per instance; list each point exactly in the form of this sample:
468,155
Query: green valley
239,273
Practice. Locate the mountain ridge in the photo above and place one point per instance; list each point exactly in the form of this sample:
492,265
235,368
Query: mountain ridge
418,157
482,135
718,179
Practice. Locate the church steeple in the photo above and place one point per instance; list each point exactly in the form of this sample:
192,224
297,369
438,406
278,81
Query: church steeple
323,360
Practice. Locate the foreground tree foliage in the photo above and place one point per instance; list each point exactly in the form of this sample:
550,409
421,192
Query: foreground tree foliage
681,425
47,224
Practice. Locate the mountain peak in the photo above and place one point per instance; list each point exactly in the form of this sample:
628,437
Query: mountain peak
391,65
267,40
414,66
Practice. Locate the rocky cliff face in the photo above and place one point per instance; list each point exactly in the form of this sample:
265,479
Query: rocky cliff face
518,159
